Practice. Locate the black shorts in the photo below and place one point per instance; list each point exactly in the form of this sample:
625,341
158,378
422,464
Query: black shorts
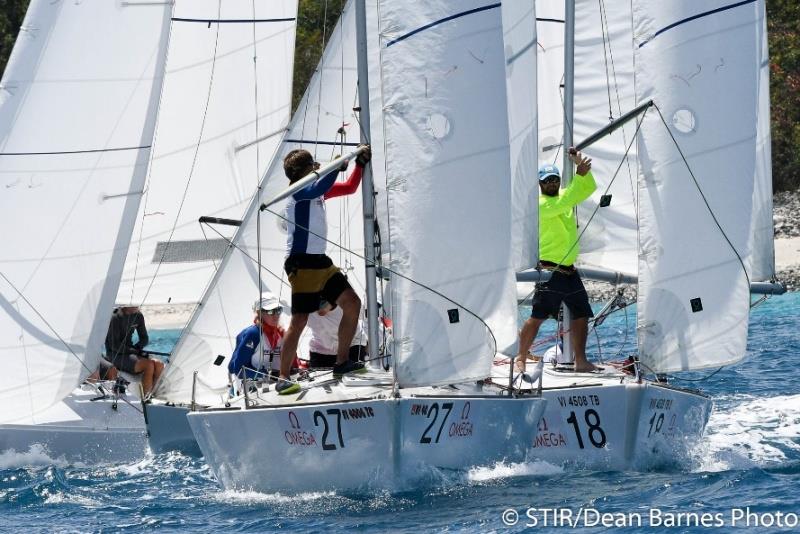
317,359
562,287
125,362
314,279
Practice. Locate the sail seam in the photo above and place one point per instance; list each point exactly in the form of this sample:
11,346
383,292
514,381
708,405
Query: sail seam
695,17
67,152
231,21
441,21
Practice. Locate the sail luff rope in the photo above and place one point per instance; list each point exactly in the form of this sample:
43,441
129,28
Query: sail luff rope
607,35
256,174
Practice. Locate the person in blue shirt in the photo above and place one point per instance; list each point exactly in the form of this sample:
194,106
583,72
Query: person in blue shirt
313,276
258,346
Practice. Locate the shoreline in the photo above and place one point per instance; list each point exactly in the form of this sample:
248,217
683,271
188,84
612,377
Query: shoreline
787,268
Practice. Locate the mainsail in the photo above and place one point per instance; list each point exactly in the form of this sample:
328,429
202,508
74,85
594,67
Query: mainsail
225,105
449,204
326,125
77,113
700,63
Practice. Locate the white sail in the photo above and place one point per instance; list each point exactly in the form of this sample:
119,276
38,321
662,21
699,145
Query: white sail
519,33
549,77
762,231
449,193
700,64
604,90
226,309
77,112
222,116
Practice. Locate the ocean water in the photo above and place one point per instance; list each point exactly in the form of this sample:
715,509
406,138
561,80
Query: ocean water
749,460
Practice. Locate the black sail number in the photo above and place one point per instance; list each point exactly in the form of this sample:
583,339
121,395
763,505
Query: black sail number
596,434
433,415
318,415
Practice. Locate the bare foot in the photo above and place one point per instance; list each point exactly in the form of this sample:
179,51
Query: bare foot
519,364
585,367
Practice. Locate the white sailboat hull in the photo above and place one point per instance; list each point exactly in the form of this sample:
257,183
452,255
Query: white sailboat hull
611,422
375,443
81,429
168,429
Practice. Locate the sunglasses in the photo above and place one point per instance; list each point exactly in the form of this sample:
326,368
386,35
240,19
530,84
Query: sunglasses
276,311
550,180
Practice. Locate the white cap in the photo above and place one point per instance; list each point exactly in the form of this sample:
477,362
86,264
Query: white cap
267,302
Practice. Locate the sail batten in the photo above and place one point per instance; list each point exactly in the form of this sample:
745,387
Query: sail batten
227,86
449,204
696,215
84,121
226,304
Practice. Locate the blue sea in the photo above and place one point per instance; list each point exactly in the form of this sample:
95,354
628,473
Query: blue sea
747,464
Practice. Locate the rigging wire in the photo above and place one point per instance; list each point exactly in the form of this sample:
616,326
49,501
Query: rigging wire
194,156
396,273
703,196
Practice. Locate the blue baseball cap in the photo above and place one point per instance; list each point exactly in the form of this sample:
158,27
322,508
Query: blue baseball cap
548,170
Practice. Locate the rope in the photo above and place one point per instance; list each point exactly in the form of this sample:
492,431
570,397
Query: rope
400,275
194,157
53,330
703,196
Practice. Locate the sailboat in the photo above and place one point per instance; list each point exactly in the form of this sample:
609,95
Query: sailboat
446,190
77,128
214,132
222,118
683,209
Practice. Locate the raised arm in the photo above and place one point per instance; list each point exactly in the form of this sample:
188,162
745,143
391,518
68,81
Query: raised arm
340,189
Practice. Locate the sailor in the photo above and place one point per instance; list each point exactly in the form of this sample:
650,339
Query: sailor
266,333
324,326
312,275
558,250
125,355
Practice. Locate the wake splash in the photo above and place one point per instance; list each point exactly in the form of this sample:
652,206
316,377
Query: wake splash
502,470
36,456
745,431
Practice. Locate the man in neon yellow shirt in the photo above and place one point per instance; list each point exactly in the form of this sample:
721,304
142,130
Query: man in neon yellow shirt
558,250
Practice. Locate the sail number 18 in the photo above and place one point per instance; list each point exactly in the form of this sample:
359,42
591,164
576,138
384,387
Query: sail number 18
594,431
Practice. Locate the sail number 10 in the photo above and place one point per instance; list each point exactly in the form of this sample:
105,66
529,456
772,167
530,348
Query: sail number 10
593,430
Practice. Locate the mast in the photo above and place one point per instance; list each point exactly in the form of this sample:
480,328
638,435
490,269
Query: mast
569,95
368,196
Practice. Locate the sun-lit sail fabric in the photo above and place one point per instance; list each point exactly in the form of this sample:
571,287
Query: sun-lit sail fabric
226,307
221,118
763,267
549,77
519,33
699,62
77,113
604,90
447,161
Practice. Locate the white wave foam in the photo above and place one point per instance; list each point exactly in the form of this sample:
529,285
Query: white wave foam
749,431
80,500
256,497
35,456
508,470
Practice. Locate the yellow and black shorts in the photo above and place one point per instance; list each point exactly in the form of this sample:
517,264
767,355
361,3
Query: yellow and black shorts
314,278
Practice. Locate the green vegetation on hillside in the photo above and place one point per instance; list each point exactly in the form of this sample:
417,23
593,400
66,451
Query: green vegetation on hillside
318,17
